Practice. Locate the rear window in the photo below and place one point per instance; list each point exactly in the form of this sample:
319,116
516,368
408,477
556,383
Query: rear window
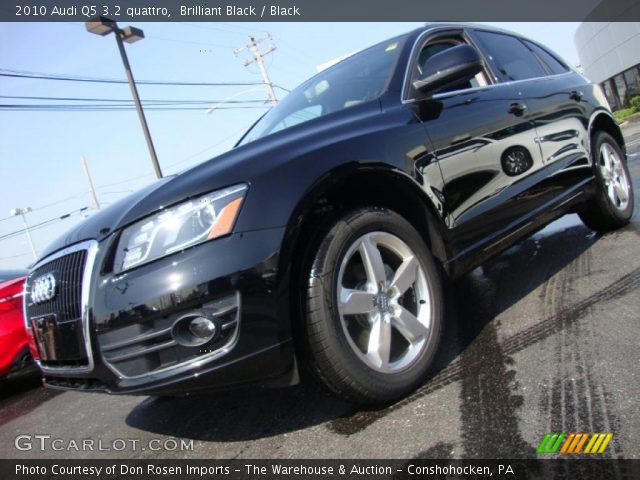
555,65
510,56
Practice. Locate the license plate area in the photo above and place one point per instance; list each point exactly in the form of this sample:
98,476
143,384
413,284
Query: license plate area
58,342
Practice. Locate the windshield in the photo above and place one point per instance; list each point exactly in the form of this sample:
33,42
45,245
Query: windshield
359,78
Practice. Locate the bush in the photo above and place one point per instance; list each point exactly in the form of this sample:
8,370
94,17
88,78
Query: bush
635,103
621,115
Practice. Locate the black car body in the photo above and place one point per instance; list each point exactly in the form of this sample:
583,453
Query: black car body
474,166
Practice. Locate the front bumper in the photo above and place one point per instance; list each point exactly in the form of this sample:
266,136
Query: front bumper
134,312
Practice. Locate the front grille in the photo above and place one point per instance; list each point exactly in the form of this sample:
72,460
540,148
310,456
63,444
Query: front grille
55,315
66,305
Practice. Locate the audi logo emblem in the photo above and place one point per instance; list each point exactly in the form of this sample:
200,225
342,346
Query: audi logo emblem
44,288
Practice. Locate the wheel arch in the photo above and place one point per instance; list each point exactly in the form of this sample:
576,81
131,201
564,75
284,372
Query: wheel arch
351,186
603,121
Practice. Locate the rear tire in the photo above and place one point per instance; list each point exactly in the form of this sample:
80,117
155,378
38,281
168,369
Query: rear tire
373,307
612,206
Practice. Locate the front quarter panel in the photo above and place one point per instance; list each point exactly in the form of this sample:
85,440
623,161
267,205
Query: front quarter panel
391,138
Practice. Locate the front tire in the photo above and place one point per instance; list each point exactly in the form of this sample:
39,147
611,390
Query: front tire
373,307
612,206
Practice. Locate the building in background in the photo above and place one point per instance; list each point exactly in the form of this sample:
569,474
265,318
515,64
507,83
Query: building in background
610,56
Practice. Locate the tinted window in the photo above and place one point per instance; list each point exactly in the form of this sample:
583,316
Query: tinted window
632,77
358,79
621,87
510,56
611,98
555,66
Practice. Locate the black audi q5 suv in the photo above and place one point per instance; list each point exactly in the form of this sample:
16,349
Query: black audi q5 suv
319,244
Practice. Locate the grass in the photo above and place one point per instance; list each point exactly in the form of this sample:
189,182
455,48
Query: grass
630,113
622,115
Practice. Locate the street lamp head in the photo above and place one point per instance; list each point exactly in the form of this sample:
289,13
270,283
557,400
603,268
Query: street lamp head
101,25
132,34
19,211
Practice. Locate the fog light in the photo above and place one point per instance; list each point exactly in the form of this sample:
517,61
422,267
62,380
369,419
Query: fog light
195,329
202,327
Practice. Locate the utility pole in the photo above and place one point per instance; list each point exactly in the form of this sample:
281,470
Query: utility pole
85,167
22,211
257,55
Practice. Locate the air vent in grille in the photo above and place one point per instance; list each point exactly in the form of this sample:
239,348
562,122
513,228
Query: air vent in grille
66,304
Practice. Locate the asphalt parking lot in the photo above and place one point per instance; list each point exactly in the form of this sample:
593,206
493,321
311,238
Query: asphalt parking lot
542,339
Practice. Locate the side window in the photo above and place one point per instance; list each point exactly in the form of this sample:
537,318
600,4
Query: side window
510,56
555,65
439,45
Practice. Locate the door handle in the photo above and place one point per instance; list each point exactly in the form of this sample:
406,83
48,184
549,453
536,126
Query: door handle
576,95
517,108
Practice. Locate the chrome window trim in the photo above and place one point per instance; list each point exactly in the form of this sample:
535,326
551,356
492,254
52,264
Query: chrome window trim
91,247
437,96
492,85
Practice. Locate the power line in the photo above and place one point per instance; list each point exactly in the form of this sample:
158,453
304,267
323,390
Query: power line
73,78
46,223
302,57
129,180
52,220
111,108
43,207
43,224
127,101
219,142
184,160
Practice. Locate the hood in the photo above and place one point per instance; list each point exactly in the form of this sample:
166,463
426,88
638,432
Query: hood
241,164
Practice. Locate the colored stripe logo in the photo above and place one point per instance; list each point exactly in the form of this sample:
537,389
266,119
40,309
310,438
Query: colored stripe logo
572,443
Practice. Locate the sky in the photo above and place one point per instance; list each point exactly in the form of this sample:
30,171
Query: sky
40,151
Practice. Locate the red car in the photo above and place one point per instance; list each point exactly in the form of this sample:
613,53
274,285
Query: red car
15,350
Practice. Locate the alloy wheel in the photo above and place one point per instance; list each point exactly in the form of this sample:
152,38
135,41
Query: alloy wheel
384,302
614,177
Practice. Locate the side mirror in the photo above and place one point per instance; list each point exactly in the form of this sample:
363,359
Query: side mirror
453,65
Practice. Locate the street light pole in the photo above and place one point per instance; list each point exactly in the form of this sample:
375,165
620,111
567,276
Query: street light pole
103,26
136,99
21,211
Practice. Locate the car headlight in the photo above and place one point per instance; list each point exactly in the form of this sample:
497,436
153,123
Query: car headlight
184,225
